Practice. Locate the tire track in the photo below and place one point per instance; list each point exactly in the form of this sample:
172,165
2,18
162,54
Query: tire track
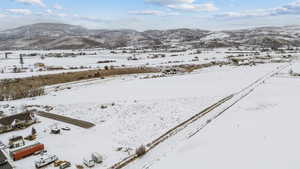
243,92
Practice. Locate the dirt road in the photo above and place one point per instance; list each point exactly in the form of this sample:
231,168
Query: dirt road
80,123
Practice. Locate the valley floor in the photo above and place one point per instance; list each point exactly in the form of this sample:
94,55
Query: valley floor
259,132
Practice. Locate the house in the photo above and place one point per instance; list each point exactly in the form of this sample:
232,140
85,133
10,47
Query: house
17,121
16,141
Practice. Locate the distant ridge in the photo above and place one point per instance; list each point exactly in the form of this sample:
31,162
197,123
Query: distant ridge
65,36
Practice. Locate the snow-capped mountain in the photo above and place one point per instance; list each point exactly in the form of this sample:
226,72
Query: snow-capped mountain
64,36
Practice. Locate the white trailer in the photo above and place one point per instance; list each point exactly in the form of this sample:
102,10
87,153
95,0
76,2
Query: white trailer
44,161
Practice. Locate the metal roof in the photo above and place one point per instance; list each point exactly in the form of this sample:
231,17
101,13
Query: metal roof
6,166
3,158
21,116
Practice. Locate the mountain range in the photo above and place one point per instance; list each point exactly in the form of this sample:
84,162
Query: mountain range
64,36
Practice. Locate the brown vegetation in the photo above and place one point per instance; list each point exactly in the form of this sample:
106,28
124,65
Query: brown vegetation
140,151
191,68
13,89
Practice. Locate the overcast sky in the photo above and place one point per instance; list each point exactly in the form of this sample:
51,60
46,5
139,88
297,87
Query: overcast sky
151,14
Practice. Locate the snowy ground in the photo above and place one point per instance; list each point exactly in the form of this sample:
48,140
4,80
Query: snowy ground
143,109
90,61
259,132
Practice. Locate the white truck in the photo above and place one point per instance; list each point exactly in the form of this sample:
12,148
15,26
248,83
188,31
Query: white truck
45,160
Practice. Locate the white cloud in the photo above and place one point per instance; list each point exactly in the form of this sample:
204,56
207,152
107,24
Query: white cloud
89,19
289,9
153,13
188,5
194,7
33,2
2,15
168,2
49,11
52,13
61,15
145,12
58,7
19,11
55,14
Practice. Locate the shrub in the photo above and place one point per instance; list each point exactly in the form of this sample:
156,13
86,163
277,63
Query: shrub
13,91
140,151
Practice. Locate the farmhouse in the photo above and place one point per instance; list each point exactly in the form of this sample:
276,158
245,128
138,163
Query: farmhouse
18,121
16,141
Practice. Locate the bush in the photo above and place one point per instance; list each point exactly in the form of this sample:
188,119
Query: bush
140,151
14,91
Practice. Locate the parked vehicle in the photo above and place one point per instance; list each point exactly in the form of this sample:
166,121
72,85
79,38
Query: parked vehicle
64,165
88,162
30,137
37,153
25,151
97,158
44,161
66,128
58,163
55,130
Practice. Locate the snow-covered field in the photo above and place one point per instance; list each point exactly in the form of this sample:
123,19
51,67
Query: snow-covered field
258,132
143,109
89,61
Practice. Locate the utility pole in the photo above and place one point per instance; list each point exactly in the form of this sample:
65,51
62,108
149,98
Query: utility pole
21,60
6,55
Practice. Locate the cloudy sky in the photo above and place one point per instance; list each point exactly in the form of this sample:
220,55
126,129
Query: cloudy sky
151,14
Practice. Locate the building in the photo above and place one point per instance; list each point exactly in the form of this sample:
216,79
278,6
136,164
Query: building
22,152
39,65
18,121
16,141
4,164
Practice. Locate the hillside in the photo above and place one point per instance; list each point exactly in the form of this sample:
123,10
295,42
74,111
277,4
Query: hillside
63,36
